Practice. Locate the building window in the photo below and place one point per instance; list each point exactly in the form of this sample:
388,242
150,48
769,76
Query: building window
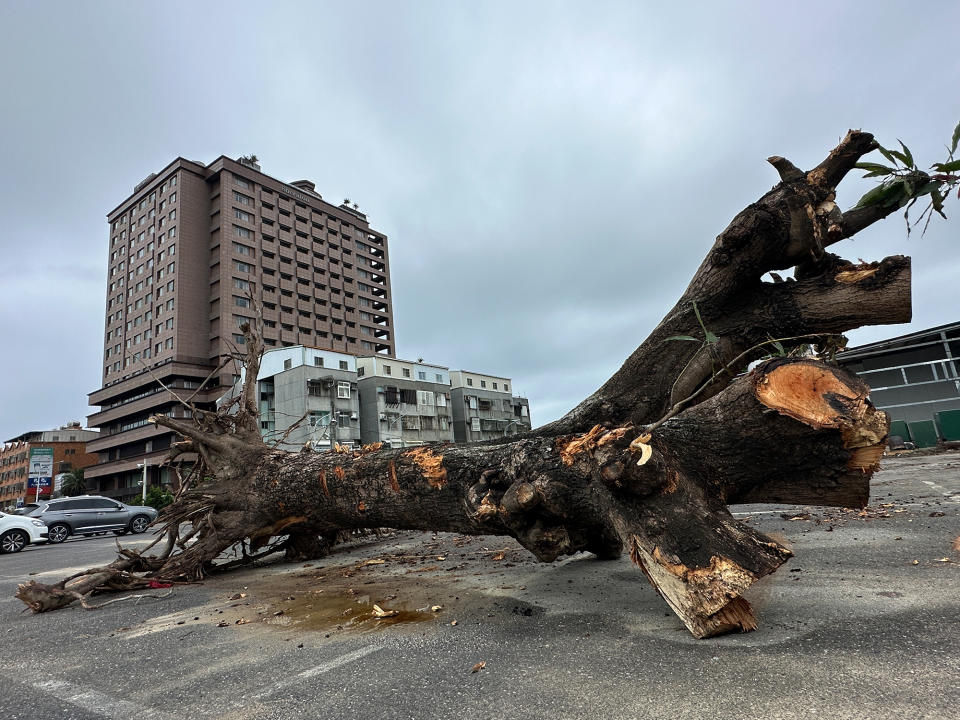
244,250
242,199
241,301
241,215
506,388
494,386
240,182
475,424
470,382
387,370
344,365
360,372
287,364
343,389
421,375
441,400
424,397
318,361
241,232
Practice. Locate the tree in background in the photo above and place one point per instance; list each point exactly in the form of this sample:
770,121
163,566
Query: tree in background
73,484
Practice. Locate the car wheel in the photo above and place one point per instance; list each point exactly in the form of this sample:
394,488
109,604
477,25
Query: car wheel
58,533
14,541
139,523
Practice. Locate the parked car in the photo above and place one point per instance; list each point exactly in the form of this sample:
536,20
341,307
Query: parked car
25,509
90,515
17,532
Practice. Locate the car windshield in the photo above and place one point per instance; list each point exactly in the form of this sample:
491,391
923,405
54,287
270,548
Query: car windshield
26,509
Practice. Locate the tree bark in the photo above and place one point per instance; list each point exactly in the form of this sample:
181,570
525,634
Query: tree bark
647,464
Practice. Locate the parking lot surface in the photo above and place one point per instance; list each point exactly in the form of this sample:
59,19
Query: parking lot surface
864,622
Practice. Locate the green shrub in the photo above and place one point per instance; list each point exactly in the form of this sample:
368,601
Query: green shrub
158,497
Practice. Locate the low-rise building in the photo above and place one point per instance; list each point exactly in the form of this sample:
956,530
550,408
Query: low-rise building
403,403
916,379
43,454
484,407
314,390
320,397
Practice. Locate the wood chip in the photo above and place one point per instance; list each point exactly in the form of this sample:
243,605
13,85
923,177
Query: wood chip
381,613
479,666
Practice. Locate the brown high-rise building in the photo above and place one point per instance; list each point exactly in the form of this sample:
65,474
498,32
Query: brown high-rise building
187,251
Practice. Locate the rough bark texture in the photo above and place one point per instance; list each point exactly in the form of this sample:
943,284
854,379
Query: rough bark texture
646,465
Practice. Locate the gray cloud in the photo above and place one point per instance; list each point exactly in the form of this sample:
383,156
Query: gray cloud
549,174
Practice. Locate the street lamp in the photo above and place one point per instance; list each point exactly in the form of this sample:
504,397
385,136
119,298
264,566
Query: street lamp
144,480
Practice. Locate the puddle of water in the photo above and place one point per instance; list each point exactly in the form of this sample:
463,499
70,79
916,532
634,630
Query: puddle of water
325,610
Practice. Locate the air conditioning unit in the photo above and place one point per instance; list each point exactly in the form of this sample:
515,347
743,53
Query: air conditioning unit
383,416
353,416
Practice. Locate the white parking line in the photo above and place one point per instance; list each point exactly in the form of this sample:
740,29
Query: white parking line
97,702
948,494
320,669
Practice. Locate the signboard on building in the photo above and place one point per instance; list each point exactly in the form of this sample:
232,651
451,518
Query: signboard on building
41,468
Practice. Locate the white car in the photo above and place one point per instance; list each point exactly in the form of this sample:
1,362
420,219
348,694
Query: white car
17,532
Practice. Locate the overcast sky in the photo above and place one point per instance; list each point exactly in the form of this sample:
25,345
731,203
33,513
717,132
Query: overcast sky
549,174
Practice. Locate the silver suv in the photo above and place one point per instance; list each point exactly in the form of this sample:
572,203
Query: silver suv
91,514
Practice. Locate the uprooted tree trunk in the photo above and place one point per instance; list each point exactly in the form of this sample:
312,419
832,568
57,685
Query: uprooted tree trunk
648,464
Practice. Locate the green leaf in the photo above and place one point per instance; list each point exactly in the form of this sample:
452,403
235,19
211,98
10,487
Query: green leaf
696,311
906,153
683,337
906,195
875,168
956,139
887,154
947,167
937,200
886,194
900,156
709,337
779,346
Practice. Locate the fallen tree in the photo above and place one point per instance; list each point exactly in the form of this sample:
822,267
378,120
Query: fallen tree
646,465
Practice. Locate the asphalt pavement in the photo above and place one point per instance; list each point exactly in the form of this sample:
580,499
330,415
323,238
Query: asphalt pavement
864,622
